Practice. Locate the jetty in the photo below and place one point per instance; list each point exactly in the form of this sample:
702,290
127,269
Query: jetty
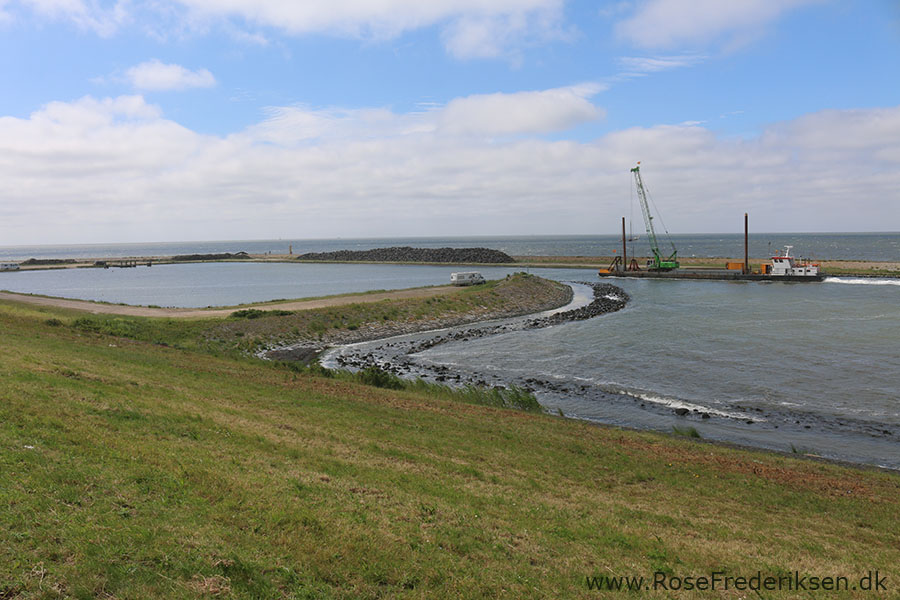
123,263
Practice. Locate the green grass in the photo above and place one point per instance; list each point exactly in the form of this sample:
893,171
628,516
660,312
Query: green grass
686,431
512,397
132,468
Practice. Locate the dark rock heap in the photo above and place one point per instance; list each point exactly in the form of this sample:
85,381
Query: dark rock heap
607,299
408,254
49,261
222,256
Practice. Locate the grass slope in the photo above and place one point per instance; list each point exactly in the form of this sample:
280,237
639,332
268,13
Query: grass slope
129,469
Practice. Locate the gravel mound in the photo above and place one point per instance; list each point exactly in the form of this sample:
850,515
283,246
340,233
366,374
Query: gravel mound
409,254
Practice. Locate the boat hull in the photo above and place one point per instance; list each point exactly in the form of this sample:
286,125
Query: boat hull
713,276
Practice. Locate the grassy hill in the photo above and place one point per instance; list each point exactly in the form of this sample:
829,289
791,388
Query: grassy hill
134,469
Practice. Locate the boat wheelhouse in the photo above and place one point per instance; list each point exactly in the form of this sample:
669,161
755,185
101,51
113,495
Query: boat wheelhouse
785,265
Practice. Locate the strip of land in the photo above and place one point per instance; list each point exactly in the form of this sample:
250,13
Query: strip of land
314,323
831,267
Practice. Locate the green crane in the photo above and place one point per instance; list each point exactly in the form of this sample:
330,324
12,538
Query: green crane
657,263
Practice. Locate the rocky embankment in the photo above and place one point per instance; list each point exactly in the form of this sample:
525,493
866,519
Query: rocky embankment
517,296
607,298
407,254
395,356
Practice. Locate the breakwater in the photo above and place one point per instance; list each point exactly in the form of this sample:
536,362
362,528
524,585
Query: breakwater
515,296
410,254
395,356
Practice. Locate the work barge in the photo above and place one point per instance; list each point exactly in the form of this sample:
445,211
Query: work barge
783,267
710,274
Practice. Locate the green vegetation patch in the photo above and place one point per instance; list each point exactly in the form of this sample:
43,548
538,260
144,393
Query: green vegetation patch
499,397
254,313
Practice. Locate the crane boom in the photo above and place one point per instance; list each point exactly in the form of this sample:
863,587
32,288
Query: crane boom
658,263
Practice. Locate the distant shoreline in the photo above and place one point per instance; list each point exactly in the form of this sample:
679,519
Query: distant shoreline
836,268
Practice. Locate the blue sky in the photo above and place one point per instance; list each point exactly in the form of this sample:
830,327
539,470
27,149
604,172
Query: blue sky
194,119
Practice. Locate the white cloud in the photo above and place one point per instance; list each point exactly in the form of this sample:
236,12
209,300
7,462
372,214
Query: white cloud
385,17
485,116
471,28
495,35
158,76
92,15
522,112
642,65
669,23
117,169
296,125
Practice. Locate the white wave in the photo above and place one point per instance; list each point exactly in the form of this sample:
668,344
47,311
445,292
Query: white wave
674,404
863,280
582,295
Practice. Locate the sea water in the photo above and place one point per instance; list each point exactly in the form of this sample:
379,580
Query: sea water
833,246
811,368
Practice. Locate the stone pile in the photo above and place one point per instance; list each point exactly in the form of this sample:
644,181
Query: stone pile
409,254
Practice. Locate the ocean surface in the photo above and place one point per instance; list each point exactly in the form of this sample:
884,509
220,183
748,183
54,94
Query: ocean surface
834,246
797,367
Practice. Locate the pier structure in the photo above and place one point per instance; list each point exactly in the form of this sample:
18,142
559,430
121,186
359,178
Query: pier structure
123,263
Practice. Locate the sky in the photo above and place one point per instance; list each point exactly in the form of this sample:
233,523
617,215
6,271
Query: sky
183,120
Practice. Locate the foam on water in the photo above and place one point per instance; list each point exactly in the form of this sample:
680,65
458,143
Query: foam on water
862,281
675,403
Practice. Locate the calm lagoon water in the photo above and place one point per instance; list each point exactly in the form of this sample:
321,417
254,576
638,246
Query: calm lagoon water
225,284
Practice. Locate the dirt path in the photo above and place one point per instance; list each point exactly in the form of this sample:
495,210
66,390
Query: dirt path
195,313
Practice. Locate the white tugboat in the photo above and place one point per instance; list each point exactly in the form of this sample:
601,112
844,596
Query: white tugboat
784,265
